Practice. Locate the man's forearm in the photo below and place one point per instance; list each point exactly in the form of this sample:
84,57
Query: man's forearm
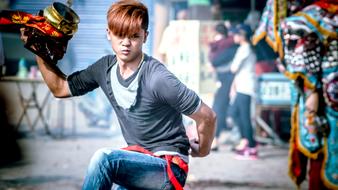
205,120
206,131
54,78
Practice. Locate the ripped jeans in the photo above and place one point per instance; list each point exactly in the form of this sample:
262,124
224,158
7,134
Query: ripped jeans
123,169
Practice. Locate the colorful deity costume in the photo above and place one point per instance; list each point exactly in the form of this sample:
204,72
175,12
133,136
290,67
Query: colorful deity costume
305,34
310,41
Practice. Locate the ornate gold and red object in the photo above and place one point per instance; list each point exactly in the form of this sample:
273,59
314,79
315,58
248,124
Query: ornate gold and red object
47,33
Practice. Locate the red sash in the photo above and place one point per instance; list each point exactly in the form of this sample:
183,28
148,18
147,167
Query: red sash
13,20
170,159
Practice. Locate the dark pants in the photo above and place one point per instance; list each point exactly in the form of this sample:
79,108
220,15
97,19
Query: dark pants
221,101
240,112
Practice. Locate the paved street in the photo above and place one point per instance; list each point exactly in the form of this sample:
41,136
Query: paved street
60,163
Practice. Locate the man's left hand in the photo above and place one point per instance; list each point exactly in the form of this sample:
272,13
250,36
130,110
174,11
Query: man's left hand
194,147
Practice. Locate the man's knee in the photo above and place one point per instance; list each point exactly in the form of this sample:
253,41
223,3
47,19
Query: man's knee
99,157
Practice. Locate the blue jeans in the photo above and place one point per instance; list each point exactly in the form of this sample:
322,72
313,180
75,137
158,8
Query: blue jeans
129,170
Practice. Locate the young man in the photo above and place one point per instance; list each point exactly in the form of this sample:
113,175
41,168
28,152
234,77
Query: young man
149,102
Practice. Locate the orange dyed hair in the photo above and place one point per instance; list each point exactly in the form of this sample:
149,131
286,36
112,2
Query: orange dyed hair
127,17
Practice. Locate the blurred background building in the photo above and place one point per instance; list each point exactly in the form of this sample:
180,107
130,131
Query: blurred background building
90,43
189,61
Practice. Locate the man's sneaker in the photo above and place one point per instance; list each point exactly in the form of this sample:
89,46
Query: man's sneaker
247,154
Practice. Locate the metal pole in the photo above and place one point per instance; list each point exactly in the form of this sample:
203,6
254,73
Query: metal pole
253,5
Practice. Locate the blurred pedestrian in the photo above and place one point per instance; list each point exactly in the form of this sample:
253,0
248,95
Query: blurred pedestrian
221,52
169,36
149,102
242,91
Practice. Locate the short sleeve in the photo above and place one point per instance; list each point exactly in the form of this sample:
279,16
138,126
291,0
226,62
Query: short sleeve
81,82
168,89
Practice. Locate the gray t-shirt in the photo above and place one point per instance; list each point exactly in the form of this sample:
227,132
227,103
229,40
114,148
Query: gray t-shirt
154,119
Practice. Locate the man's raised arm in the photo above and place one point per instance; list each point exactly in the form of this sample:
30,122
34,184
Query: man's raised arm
52,75
54,78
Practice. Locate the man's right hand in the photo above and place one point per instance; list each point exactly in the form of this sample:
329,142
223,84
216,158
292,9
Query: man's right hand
23,36
53,76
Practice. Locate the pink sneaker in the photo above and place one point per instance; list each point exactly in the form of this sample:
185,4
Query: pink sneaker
247,154
243,144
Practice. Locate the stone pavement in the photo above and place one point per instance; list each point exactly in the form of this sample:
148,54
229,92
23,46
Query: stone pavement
221,170
60,164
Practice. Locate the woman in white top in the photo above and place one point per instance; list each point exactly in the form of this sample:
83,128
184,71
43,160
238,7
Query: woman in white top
242,91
